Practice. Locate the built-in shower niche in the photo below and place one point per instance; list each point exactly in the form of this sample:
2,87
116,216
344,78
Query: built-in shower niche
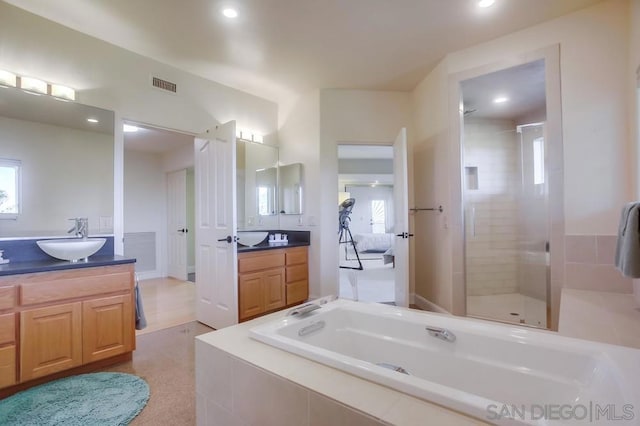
471,177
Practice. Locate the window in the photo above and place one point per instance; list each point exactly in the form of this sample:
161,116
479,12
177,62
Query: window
538,161
266,201
9,188
378,217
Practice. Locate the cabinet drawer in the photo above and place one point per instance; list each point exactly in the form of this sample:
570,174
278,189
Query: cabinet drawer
296,256
297,273
7,328
297,292
7,366
250,263
68,286
7,298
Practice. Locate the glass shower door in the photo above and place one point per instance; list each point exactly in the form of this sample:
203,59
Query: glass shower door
505,200
533,241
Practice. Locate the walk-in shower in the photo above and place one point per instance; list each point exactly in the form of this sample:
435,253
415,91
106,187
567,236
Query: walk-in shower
506,196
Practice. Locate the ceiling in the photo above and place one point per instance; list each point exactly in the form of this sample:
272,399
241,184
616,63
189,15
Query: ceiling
155,140
278,49
367,152
19,104
523,86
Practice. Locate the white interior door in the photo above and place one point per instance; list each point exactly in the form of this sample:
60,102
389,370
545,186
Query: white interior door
177,224
216,256
401,219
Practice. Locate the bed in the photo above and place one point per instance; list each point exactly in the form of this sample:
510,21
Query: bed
373,243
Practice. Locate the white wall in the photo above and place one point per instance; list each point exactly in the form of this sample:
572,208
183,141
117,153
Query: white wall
299,143
52,190
145,202
594,71
352,116
113,78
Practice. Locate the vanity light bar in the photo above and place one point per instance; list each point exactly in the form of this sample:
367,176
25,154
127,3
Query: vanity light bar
8,78
249,135
63,92
35,85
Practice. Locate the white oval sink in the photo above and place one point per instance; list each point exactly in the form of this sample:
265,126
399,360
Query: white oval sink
72,249
251,238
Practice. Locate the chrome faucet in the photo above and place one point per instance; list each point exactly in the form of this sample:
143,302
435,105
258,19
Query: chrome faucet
441,333
80,228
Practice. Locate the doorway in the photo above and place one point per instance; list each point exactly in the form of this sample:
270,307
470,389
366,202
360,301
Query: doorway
506,195
365,174
151,156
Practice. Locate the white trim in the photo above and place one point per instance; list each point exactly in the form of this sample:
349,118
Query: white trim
427,305
148,275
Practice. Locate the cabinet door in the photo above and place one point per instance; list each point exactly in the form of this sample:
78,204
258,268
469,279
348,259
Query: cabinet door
273,289
250,295
7,366
107,327
51,340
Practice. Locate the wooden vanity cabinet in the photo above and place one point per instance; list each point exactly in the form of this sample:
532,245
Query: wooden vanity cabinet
65,319
261,280
50,339
297,275
269,280
8,337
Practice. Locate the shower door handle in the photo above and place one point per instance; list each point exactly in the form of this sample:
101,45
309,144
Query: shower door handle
473,221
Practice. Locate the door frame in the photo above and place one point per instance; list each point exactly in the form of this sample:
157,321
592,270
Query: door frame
389,143
551,55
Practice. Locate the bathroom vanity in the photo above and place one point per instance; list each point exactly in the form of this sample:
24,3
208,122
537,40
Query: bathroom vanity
272,277
60,318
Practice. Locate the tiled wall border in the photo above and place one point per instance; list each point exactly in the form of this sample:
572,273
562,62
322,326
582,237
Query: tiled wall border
589,264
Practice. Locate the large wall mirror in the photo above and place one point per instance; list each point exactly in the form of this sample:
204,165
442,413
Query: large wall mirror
291,200
257,185
55,164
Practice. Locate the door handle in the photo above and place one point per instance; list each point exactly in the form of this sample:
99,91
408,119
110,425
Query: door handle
229,239
404,235
183,230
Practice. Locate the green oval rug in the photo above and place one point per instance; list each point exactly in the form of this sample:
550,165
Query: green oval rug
103,399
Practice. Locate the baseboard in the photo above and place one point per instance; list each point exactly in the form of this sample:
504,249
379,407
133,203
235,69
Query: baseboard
148,275
427,305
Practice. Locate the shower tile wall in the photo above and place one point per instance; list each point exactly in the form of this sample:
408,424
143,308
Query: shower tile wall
492,147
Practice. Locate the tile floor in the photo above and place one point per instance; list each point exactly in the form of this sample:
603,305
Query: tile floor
501,307
166,360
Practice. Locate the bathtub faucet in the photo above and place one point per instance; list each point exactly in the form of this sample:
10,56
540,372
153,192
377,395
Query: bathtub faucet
441,333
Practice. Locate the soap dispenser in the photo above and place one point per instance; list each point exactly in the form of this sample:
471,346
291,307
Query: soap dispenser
3,260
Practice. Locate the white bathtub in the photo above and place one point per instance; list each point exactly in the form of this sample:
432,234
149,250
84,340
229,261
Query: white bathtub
498,373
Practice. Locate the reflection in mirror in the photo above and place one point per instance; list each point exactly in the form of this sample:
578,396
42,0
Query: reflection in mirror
256,185
291,189
266,190
56,165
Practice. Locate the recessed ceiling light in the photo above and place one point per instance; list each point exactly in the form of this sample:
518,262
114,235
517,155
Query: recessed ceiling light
230,13
92,120
128,128
486,3
500,100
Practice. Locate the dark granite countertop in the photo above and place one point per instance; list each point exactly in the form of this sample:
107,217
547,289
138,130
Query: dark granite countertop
28,267
267,246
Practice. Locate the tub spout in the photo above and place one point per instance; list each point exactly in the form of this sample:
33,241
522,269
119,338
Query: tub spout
441,333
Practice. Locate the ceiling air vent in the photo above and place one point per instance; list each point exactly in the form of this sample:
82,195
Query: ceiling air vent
164,85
